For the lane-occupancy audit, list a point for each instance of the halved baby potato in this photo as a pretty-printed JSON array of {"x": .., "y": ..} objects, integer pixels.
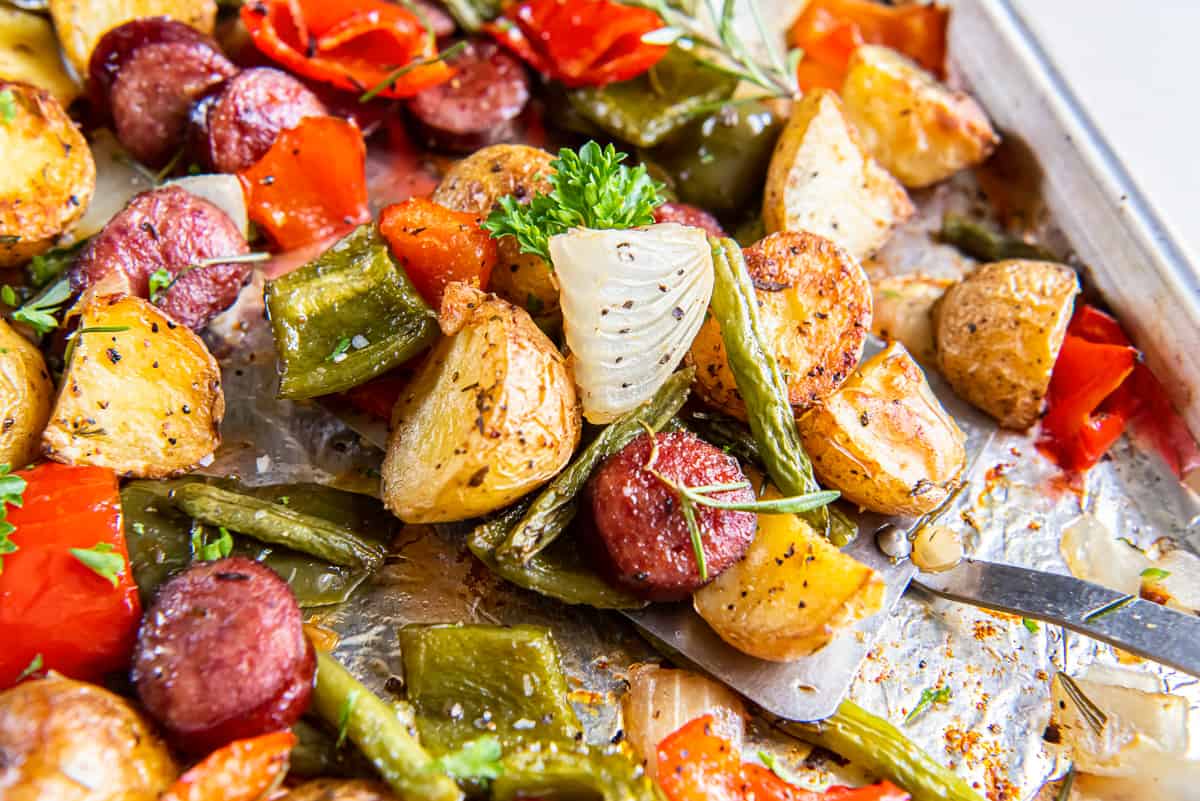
[
  {"x": 491, "y": 415},
  {"x": 81, "y": 23},
  {"x": 48, "y": 175},
  {"x": 884, "y": 440},
  {"x": 822, "y": 180},
  {"x": 29, "y": 53},
  {"x": 26, "y": 393},
  {"x": 141, "y": 394},
  {"x": 918, "y": 129},
  {"x": 791, "y": 594},
  {"x": 998, "y": 334},
  {"x": 814, "y": 304},
  {"x": 904, "y": 312}
]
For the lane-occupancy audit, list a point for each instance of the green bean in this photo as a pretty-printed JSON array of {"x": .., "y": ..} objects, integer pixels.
[
  {"x": 986, "y": 244},
  {"x": 873, "y": 743},
  {"x": 546, "y": 518},
  {"x": 557, "y": 572},
  {"x": 601, "y": 772},
  {"x": 278, "y": 525},
  {"x": 344, "y": 703}
]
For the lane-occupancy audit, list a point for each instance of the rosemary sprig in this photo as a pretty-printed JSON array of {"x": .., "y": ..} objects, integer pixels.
[
  {"x": 393, "y": 76},
  {"x": 161, "y": 279},
  {"x": 1093, "y": 715}
]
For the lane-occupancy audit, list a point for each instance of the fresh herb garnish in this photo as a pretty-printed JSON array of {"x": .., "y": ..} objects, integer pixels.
[
  {"x": 344, "y": 717},
  {"x": 33, "y": 667},
  {"x": 450, "y": 52},
  {"x": 1092, "y": 715},
  {"x": 39, "y": 312},
  {"x": 340, "y": 351},
  {"x": 50, "y": 265},
  {"x": 8, "y": 295},
  {"x": 778, "y": 768},
  {"x": 160, "y": 279},
  {"x": 8, "y": 106},
  {"x": 929, "y": 697},
  {"x": 478, "y": 759},
  {"x": 11, "y": 494},
  {"x": 1031, "y": 625},
  {"x": 99, "y": 329},
  {"x": 1109, "y": 608},
  {"x": 592, "y": 189},
  {"x": 206, "y": 551},
  {"x": 1154, "y": 574},
  {"x": 103, "y": 560}
]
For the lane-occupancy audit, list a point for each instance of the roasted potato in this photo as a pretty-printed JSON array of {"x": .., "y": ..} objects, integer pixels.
[
  {"x": 491, "y": 415},
  {"x": 340, "y": 790},
  {"x": 791, "y": 593},
  {"x": 884, "y": 440},
  {"x": 474, "y": 185},
  {"x": 48, "y": 175},
  {"x": 823, "y": 181},
  {"x": 918, "y": 129},
  {"x": 141, "y": 394},
  {"x": 70, "y": 741},
  {"x": 814, "y": 304},
  {"x": 26, "y": 393},
  {"x": 81, "y": 23},
  {"x": 998, "y": 333},
  {"x": 903, "y": 311},
  {"x": 29, "y": 53}
]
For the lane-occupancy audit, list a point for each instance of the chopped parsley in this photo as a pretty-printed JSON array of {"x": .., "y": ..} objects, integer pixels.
[
  {"x": 344, "y": 717},
  {"x": 478, "y": 759},
  {"x": 8, "y": 106},
  {"x": 160, "y": 282},
  {"x": 206, "y": 551},
  {"x": 1153, "y": 574},
  {"x": 8, "y": 295},
  {"x": 11, "y": 492},
  {"x": 33, "y": 667},
  {"x": 103, "y": 560},
  {"x": 929, "y": 697},
  {"x": 1032, "y": 625},
  {"x": 339, "y": 351}
]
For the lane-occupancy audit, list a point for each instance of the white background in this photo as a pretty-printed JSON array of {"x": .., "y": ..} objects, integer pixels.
[{"x": 1136, "y": 68}]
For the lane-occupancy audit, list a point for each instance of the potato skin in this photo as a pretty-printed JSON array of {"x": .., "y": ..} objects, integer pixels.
[
  {"x": 791, "y": 594},
  {"x": 48, "y": 177},
  {"x": 814, "y": 303},
  {"x": 29, "y": 53},
  {"x": 822, "y": 180},
  {"x": 81, "y": 23},
  {"x": 491, "y": 415},
  {"x": 904, "y": 312},
  {"x": 145, "y": 402},
  {"x": 884, "y": 440},
  {"x": 475, "y": 185},
  {"x": 919, "y": 130},
  {"x": 998, "y": 333},
  {"x": 70, "y": 741},
  {"x": 340, "y": 790},
  {"x": 26, "y": 393}
]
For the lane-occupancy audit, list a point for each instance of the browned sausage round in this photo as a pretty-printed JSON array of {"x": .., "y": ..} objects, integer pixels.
[
  {"x": 640, "y": 528},
  {"x": 222, "y": 655},
  {"x": 479, "y": 106},
  {"x": 153, "y": 93},
  {"x": 171, "y": 229},
  {"x": 687, "y": 214},
  {"x": 238, "y": 124},
  {"x": 116, "y": 46}
]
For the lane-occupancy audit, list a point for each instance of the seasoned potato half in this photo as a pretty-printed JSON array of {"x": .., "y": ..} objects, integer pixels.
[
  {"x": 823, "y": 181},
  {"x": 52, "y": 728},
  {"x": 921, "y": 131},
  {"x": 48, "y": 174},
  {"x": 81, "y": 23},
  {"x": 491, "y": 415},
  {"x": 998, "y": 332},
  {"x": 814, "y": 303},
  {"x": 29, "y": 53},
  {"x": 26, "y": 393},
  {"x": 884, "y": 440},
  {"x": 791, "y": 594},
  {"x": 474, "y": 185},
  {"x": 141, "y": 394},
  {"x": 904, "y": 312}
]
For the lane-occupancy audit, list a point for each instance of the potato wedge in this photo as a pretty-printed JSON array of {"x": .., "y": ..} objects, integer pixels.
[
  {"x": 81, "y": 23},
  {"x": 26, "y": 393},
  {"x": 814, "y": 303},
  {"x": 491, "y": 415},
  {"x": 884, "y": 440},
  {"x": 29, "y": 53},
  {"x": 998, "y": 333},
  {"x": 823, "y": 181},
  {"x": 918, "y": 129},
  {"x": 474, "y": 185},
  {"x": 791, "y": 594},
  {"x": 904, "y": 312},
  {"x": 144, "y": 399},
  {"x": 48, "y": 175}
]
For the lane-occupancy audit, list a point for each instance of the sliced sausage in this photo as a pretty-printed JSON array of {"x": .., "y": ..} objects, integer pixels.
[
  {"x": 687, "y": 214},
  {"x": 640, "y": 532},
  {"x": 479, "y": 106},
  {"x": 238, "y": 123},
  {"x": 116, "y": 46},
  {"x": 169, "y": 228},
  {"x": 154, "y": 91},
  {"x": 222, "y": 655}
]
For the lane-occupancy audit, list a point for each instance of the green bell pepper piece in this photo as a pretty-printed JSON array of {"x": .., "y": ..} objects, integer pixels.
[
  {"x": 354, "y": 294},
  {"x": 980, "y": 241},
  {"x": 468, "y": 680},
  {"x": 646, "y": 109},
  {"x": 547, "y": 770}
]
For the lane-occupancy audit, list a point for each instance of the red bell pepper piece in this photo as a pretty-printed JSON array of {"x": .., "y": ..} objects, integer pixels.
[
  {"x": 829, "y": 31},
  {"x": 378, "y": 397},
  {"x": 50, "y": 602},
  {"x": 350, "y": 44},
  {"x": 580, "y": 42},
  {"x": 244, "y": 770},
  {"x": 311, "y": 184}
]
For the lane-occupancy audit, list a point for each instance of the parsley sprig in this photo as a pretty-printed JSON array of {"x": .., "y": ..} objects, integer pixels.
[
  {"x": 206, "y": 551},
  {"x": 592, "y": 189},
  {"x": 477, "y": 760},
  {"x": 12, "y": 489},
  {"x": 929, "y": 697},
  {"x": 103, "y": 560},
  {"x": 39, "y": 313}
]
